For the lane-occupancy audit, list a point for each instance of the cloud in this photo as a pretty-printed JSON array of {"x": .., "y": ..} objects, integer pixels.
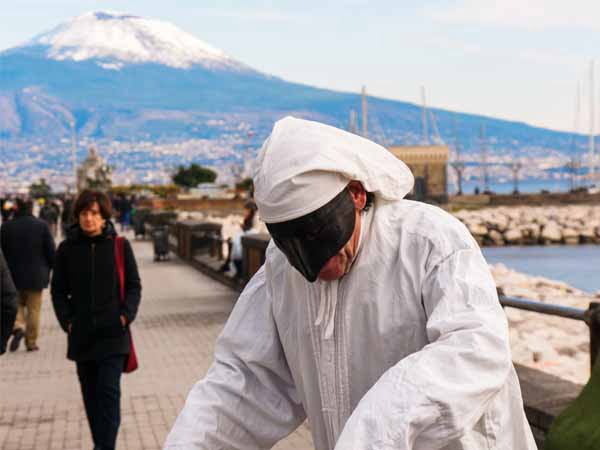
[
  {"x": 254, "y": 15},
  {"x": 523, "y": 14},
  {"x": 448, "y": 43}
]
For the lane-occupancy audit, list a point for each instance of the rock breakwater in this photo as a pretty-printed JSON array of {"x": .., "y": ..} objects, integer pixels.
[{"x": 526, "y": 225}]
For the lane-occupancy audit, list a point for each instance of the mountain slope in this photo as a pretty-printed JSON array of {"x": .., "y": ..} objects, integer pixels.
[{"x": 119, "y": 76}]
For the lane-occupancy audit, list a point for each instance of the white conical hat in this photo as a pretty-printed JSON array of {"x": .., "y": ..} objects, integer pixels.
[{"x": 304, "y": 164}]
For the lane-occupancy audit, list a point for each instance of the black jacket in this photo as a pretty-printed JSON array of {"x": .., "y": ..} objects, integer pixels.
[
  {"x": 85, "y": 294},
  {"x": 8, "y": 303},
  {"x": 28, "y": 247},
  {"x": 49, "y": 213}
]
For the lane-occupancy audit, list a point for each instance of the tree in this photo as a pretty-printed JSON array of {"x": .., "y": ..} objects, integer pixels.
[
  {"x": 246, "y": 185},
  {"x": 192, "y": 176},
  {"x": 40, "y": 189}
]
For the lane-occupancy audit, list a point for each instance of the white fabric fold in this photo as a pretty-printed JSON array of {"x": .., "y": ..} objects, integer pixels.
[{"x": 327, "y": 307}]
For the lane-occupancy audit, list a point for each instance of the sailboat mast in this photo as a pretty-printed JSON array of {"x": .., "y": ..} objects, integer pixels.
[
  {"x": 484, "y": 161},
  {"x": 365, "y": 128},
  {"x": 352, "y": 123},
  {"x": 73, "y": 154},
  {"x": 424, "y": 117},
  {"x": 592, "y": 120}
]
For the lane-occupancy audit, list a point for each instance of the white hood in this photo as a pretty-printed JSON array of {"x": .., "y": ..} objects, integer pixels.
[{"x": 304, "y": 164}]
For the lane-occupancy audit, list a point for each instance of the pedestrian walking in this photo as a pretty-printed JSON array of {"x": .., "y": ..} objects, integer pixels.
[
  {"x": 3, "y": 200},
  {"x": 8, "y": 209},
  {"x": 8, "y": 303},
  {"x": 49, "y": 213},
  {"x": 125, "y": 207},
  {"x": 235, "y": 253},
  {"x": 28, "y": 247},
  {"x": 66, "y": 216},
  {"x": 86, "y": 295}
]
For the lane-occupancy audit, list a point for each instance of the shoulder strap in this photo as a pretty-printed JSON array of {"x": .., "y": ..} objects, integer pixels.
[{"x": 120, "y": 263}]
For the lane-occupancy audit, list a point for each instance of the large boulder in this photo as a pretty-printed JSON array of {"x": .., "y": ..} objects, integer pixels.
[
  {"x": 587, "y": 235},
  {"x": 551, "y": 233},
  {"x": 513, "y": 236},
  {"x": 497, "y": 222},
  {"x": 477, "y": 229},
  {"x": 495, "y": 237},
  {"x": 463, "y": 215},
  {"x": 531, "y": 232},
  {"x": 570, "y": 236}
]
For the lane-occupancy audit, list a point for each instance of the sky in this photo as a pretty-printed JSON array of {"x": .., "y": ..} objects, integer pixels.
[{"x": 520, "y": 60}]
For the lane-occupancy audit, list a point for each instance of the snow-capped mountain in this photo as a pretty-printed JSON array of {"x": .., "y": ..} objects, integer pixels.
[
  {"x": 116, "y": 39},
  {"x": 123, "y": 77}
]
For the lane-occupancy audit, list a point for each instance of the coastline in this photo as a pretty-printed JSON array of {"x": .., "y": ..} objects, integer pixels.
[{"x": 533, "y": 225}]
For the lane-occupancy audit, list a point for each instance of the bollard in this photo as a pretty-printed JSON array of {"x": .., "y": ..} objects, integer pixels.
[{"x": 593, "y": 321}]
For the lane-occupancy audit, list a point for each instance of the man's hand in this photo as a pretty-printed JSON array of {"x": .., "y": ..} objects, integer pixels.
[
  {"x": 69, "y": 326},
  {"x": 123, "y": 321}
]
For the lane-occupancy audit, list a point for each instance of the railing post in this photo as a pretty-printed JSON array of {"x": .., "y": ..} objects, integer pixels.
[{"x": 593, "y": 321}]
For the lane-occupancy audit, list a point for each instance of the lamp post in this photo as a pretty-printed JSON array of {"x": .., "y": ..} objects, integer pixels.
[{"x": 73, "y": 155}]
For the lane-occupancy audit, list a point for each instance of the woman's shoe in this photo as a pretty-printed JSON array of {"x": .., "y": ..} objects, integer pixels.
[{"x": 18, "y": 335}]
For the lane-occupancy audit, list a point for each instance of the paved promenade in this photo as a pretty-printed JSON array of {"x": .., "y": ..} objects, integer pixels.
[{"x": 181, "y": 314}]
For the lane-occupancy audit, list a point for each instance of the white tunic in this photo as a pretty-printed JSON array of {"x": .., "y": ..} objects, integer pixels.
[{"x": 409, "y": 350}]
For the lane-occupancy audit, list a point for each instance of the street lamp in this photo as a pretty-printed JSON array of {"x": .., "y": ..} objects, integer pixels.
[{"x": 73, "y": 155}]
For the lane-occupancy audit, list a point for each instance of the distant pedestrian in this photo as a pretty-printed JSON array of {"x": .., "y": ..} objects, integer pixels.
[
  {"x": 248, "y": 226},
  {"x": 3, "y": 200},
  {"x": 86, "y": 299},
  {"x": 28, "y": 247},
  {"x": 8, "y": 209},
  {"x": 125, "y": 207},
  {"x": 8, "y": 303},
  {"x": 66, "y": 216},
  {"x": 37, "y": 206},
  {"x": 49, "y": 213}
]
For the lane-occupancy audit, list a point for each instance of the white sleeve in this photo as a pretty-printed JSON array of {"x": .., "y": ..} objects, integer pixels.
[
  {"x": 433, "y": 396},
  {"x": 247, "y": 399}
]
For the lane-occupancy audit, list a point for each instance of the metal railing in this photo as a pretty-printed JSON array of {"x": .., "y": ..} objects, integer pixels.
[{"x": 590, "y": 316}]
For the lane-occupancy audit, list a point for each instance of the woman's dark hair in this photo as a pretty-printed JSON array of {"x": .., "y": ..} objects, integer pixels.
[
  {"x": 24, "y": 206},
  {"x": 87, "y": 198}
]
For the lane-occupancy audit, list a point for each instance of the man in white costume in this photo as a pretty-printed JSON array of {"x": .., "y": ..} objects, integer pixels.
[{"x": 380, "y": 322}]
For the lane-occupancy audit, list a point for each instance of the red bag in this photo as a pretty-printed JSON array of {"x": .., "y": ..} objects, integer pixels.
[{"x": 131, "y": 363}]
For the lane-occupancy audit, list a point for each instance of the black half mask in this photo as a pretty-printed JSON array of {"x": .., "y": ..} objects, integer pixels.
[{"x": 310, "y": 241}]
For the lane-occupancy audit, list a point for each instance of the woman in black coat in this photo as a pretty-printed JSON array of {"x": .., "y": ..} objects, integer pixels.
[
  {"x": 86, "y": 298},
  {"x": 8, "y": 303}
]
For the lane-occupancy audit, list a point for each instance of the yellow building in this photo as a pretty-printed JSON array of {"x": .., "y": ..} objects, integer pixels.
[{"x": 428, "y": 164}]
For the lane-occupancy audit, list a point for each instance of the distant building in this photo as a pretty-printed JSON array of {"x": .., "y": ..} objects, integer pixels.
[
  {"x": 429, "y": 164},
  {"x": 93, "y": 173},
  {"x": 209, "y": 190}
]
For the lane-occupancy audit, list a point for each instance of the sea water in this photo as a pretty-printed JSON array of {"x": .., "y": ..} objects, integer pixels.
[{"x": 577, "y": 265}]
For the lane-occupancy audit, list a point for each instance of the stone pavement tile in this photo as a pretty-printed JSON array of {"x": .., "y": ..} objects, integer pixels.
[{"x": 181, "y": 314}]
